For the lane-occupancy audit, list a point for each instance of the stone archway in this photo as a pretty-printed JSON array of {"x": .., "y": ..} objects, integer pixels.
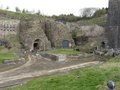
[
  {"x": 65, "y": 44},
  {"x": 37, "y": 44}
]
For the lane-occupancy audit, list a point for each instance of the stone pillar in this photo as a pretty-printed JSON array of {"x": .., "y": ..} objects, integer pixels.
[{"x": 113, "y": 27}]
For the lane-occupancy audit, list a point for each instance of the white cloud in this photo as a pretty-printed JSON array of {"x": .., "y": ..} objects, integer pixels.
[{"x": 50, "y": 7}]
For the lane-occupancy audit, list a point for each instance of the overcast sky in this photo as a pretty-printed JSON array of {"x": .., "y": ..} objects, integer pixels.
[{"x": 54, "y": 7}]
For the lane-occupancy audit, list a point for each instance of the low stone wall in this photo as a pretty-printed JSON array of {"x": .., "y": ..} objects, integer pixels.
[
  {"x": 60, "y": 57},
  {"x": 50, "y": 56},
  {"x": 12, "y": 62},
  {"x": 82, "y": 58},
  {"x": 54, "y": 57}
]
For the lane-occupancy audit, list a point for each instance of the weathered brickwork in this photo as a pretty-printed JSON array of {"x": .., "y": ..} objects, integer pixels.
[{"x": 8, "y": 27}]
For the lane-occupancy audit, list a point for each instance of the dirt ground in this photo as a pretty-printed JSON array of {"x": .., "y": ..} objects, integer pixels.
[{"x": 37, "y": 66}]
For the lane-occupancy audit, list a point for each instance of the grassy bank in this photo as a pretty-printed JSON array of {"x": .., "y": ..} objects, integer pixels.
[
  {"x": 10, "y": 54},
  {"x": 6, "y": 54},
  {"x": 98, "y": 20},
  {"x": 92, "y": 78}
]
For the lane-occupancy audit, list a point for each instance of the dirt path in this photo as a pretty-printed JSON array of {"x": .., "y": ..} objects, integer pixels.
[
  {"x": 28, "y": 70},
  {"x": 28, "y": 63}
]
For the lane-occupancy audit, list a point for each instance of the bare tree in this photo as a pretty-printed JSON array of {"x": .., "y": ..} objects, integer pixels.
[
  {"x": 87, "y": 12},
  {"x": 17, "y": 9},
  {"x": 23, "y": 11},
  {"x": 7, "y": 7},
  {"x": 38, "y": 13}
]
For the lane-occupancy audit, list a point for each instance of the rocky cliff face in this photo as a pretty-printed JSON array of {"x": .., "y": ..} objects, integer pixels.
[
  {"x": 113, "y": 29},
  {"x": 92, "y": 34}
]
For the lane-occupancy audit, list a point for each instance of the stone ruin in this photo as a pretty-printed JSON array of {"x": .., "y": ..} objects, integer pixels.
[
  {"x": 38, "y": 35},
  {"x": 44, "y": 34},
  {"x": 113, "y": 25},
  {"x": 59, "y": 34},
  {"x": 112, "y": 31}
]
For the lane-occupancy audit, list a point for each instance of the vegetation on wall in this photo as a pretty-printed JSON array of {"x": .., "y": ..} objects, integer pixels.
[{"x": 7, "y": 54}]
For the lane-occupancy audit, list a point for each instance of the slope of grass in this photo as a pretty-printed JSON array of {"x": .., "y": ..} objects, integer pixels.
[
  {"x": 17, "y": 15},
  {"x": 92, "y": 78},
  {"x": 99, "y": 21},
  {"x": 10, "y": 54},
  {"x": 6, "y": 54}
]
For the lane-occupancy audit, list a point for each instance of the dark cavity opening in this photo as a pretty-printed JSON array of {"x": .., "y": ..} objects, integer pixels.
[
  {"x": 36, "y": 44},
  {"x": 103, "y": 44}
]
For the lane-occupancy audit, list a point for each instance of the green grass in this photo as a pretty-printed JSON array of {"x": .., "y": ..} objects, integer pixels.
[
  {"x": 64, "y": 51},
  {"x": 6, "y": 54},
  {"x": 99, "y": 21},
  {"x": 92, "y": 78},
  {"x": 16, "y": 15},
  {"x": 10, "y": 54}
]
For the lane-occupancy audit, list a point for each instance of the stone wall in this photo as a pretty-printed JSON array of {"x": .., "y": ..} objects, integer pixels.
[{"x": 8, "y": 27}]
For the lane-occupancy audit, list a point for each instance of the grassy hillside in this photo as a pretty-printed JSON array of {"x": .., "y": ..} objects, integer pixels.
[
  {"x": 92, "y": 78},
  {"x": 10, "y": 54},
  {"x": 5, "y": 14},
  {"x": 6, "y": 54},
  {"x": 97, "y": 20}
]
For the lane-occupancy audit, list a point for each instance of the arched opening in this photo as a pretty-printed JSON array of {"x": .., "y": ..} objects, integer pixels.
[
  {"x": 103, "y": 44},
  {"x": 36, "y": 45},
  {"x": 65, "y": 44}
]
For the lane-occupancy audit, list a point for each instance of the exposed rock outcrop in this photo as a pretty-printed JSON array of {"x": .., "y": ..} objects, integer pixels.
[{"x": 92, "y": 34}]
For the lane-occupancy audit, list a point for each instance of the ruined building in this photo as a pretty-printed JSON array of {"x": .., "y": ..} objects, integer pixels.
[
  {"x": 39, "y": 34},
  {"x": 44, "y": 35},
  {"x": 36, "y": 34},
  {"x": 113, "y": 28}
]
